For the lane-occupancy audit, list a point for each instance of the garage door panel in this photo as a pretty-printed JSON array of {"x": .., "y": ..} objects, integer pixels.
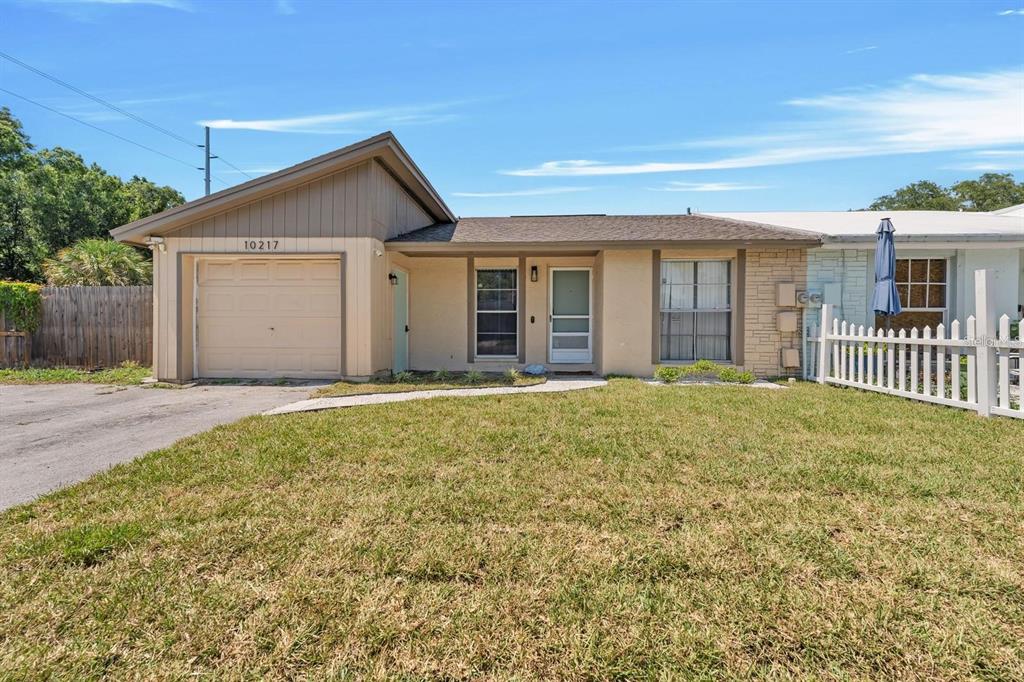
[
  {"x": 218, "y": 303},
  {"x": 217, "y": 271},
  {"x": 293, "y": 302},
  {"x": 324, "y": 362},
  {"x": 254, "y": 301},
  {"x": 322, "y": 271},
  {"x": 291, "y": 271},
  {"x": 269, "y": 318},
  {"x": 254, "y": 270}
]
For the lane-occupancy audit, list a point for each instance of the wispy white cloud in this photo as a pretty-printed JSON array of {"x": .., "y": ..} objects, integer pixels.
[
  {"x": 344, "y": 122},
  {"x": 180, "y": 5},
  {"x": 96, "y": 113},
  {"x": 991, "y": 167},
  {"x": 1019, "y": 153},
  {"x": 1011, "y": 12},
  {"x": 679, "y": 186},
  {"x": 540, "y": 191},
  {"x": 990, "y": 160},
  {"x": 284, "y": 7},
  {"x": 925, "y": 113},
  {"x": 866, "y": 48}
]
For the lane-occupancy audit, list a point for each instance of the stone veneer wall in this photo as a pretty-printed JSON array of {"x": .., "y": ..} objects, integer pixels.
[
  {"x": 762, "y": 340},
  {"x": 850, "y": 269}
]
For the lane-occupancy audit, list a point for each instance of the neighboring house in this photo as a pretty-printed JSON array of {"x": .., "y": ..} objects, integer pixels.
[
  {"x": 350, "y": 264},
  {"x": 937, "y": 253}
]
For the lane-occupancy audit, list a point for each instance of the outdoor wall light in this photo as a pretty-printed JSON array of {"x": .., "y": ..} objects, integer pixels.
[
  {"x": 393, "y": 279},
  {"x": 533, "y": 273}
]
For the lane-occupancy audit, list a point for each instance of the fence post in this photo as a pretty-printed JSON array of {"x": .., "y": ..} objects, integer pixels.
[
  {"x": 985, "y": 319},
  {"x": 823, "y": 342}
]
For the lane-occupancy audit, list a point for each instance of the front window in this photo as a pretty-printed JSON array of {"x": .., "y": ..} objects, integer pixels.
[
  {"x": 497, "y": 313},
  {"x": 921, "y": 283},
  {"x": 696, "y": 310}
]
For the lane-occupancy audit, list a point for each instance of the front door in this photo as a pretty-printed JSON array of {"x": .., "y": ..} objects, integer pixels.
[
  {"x": 400, "y": 334},
  {"x": 571, "y": 324}
]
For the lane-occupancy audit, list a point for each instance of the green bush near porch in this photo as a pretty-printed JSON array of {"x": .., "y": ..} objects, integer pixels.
[{"x": 705, "y": 369}]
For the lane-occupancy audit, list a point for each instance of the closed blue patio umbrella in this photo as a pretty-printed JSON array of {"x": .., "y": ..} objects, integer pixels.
[{"x": 886, "y": 299}]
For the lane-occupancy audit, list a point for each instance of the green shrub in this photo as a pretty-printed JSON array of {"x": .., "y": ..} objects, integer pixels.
[
  {"x": 473, "y": 377},
  {"x": 442, "y": 376},
  {"x": 403, "y": 378},
  {"x": 702, "y": 368},
  {"x": 668, "y": 373},
  {"x": 734, "y": 376},
  {"x": 22, "y": 305},
  {"x": 513, "y": 375}
]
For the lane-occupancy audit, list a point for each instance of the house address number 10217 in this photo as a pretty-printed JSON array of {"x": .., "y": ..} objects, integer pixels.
[{"x": 261, "y": 244}]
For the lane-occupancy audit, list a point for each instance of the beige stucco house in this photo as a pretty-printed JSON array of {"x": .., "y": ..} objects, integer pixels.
[{"x": 350, "y": 264}]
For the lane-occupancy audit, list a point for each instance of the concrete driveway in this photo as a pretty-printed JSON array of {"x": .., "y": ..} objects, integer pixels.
[{"x": 56, "y": 434}]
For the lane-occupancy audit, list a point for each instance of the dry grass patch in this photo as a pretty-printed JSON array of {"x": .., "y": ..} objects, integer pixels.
[{"x": 621, "y": 532}]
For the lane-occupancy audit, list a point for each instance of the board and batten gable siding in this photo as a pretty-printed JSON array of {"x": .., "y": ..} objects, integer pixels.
[
  {"x": 363, "y": 201},
  {"x": 395, "y": 211},
  {"x": 334, "y": 206}
]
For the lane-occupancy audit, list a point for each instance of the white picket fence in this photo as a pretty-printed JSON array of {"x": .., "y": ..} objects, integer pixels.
[{"x": 928, "y": 367}]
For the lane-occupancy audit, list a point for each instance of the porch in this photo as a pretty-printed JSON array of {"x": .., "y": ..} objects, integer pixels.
[{"x": 607, "y": 311}]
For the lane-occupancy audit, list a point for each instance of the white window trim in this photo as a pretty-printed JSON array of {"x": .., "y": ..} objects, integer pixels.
[
  {"x": 945, "y": 309},
  {"x": 477, "y": 311}
]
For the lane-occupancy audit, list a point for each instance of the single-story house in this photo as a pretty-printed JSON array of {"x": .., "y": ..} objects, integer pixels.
[
  {"x": 937, "y": 253},
  {"x": 350, "y": 265}
]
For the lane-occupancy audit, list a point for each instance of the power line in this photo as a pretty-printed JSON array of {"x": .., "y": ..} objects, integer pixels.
[
  {"x": 96, "y": 99},
  {"x": 234, "y": 166},
  {"x": 114, "y": 107},
  {"x": 102, "y": 130}
]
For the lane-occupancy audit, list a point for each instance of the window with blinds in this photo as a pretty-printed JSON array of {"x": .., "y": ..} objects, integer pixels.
[{"x": 696, "y": 310}]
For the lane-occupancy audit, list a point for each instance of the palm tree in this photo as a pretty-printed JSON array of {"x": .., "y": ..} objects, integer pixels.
[{"x": 98, "y": 262}]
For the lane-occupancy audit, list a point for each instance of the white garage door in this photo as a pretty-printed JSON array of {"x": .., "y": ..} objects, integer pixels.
[{"x": 268, "y": 317}]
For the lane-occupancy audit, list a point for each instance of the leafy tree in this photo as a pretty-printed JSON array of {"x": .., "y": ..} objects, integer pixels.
[
  {"x": 990, "y": 192},
  {"x": 51, "y": 199},
  {"x": 98, "y": 262},
  {"x": 917, "y": 196}
]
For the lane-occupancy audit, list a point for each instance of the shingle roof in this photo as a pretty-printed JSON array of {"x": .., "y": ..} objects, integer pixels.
[{"x": 584, "y": 229}]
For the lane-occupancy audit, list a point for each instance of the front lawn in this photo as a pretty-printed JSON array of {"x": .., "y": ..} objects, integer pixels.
[
  {"x": 621, "y": 532},
  {"x": 427, "y": 381},
  {"x": 128, "y": 374}
]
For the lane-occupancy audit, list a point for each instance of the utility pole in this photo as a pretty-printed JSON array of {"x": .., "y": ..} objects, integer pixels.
[{"x": 207, "y": 148}]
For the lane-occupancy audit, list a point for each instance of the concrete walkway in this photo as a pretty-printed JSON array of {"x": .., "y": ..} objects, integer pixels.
[{"x": 550, "y": 386}]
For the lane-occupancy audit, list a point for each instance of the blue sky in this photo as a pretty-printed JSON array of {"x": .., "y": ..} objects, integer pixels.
[{"x": 543, "y": 107}]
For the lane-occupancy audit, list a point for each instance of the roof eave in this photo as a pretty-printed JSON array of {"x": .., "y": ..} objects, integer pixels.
[
  {"x": 541, "y": 246},
  {"x": 961, "y": 237}
]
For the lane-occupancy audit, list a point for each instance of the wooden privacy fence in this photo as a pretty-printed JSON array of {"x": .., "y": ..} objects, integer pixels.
[
  {"x": 88, "y": 327},
  {"x": 977, "y": 371}
]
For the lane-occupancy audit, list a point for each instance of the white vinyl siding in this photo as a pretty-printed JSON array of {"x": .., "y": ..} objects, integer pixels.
[{"x": 696, "y": 310}]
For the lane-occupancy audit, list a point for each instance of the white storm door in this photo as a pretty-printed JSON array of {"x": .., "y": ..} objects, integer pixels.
[{"x": 571, "y": 331}]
